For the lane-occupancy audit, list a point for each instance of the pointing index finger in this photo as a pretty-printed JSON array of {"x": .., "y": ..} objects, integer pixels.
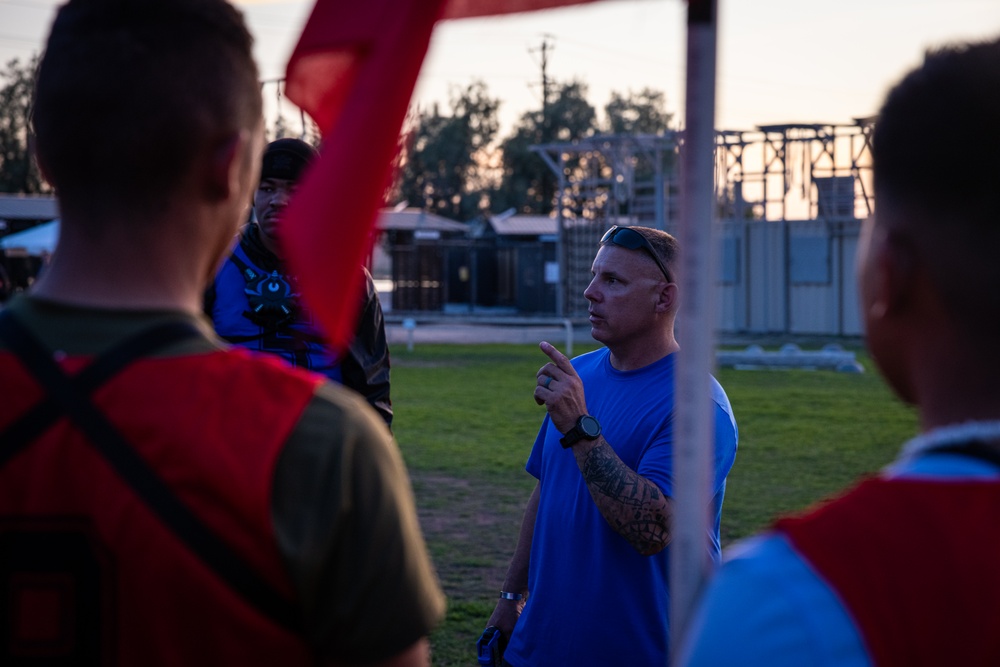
[{"x": 558, "y": 358}]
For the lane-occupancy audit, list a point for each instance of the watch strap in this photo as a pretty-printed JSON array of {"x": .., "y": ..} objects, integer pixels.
[{"x": 577, "y": 433}]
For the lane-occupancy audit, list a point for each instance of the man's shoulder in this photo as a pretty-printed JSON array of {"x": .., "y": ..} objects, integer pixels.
[
  {"x": 90, "y": 331},
  {"x": 589, "y": 361},
  {"x": 766, "y": 605},
  {"x": 337, "y": 416},
  {"x": 332, "y": 398}
]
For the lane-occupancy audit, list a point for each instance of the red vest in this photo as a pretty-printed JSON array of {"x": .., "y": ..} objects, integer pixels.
[
  {"x": 916, "y": 563},
  {"x": 92, "y": 573}
]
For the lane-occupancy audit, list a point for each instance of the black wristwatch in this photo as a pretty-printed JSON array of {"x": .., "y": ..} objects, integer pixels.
[{"x": 586, "y": 428}]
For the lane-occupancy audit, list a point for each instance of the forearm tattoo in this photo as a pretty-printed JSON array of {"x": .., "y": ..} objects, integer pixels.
[{"x": 631, "y": 504}]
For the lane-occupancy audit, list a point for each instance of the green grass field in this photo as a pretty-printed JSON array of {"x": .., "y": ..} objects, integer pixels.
[{"x": 465, "y": 421}]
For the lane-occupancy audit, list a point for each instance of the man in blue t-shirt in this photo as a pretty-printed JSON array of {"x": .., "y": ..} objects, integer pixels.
[{"x": 588, "y": 582}]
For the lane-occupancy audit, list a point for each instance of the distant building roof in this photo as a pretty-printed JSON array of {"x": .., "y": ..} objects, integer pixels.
[
  {"x": 413, "y": 219},
  {"x": 524, "y": 225},
  {"x": 28, "y": 207}
]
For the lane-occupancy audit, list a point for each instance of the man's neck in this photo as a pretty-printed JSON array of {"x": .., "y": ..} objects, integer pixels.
[
  {"x": 955, "y": 379},
  {"x": 116, "y": 287},
  {"x": 129, "y": 267},
  {"x": 633, "y": 357},
  {"x": 261, "y": 250}
]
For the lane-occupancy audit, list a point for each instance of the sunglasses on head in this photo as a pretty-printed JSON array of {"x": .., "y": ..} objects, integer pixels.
[{"x": 627, "y": 237}]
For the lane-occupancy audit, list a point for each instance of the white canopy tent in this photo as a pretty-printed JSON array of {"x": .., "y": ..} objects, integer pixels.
[{"x": 38, "y": 240}]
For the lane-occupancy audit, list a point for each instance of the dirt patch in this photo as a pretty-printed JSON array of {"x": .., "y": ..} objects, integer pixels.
[{"x": 471, "y": 529}]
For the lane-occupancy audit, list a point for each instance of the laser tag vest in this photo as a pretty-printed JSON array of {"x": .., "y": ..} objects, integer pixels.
[
  {"x": 272, "y": 303},
  {"x": 260, "y": 310},
  {"x": 915, "y": 562},
  {"x": 131, "y": 531}
]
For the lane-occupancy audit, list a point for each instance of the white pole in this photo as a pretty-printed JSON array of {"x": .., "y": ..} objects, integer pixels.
[{"x": 693, "y": 424}]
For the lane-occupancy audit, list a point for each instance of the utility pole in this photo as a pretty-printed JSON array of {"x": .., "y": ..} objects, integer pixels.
[
  {"x": 544, "y": 49},
  {"x": 542, "y": 135}
]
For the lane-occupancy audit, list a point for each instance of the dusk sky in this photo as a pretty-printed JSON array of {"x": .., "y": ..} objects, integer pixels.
[{"x": 779, "y": 60}]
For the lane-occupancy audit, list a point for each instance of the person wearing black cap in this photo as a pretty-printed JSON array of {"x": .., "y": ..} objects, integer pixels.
[{"x": 253, "y": 301}]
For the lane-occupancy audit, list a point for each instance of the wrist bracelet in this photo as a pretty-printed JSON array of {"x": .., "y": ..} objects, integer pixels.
[{"x": 504, "y": 595}]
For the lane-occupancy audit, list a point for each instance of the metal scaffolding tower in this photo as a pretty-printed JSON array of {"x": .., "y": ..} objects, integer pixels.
[
  {"x": 602, "y": 181},
  {"x": 794, "y": 171}
]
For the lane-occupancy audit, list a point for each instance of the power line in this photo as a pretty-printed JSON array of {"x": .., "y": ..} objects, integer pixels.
[{"x": 20, "y": 40}]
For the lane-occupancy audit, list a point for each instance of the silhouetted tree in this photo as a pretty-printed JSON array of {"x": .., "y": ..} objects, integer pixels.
[
  {"x": 644, "y": 112},
  {"x": 18, "y": 172},
  {"x": 443, "y": 167},
  {"x": 528, "y": 185}
]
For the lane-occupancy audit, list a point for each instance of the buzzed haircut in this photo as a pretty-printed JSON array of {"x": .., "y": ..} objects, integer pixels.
[
  {"x": 665, "y": 245},
  {"x": 128, "y": 92},
  {"x": 935, "y": 151},
  {"x": 937, "y": 137}
]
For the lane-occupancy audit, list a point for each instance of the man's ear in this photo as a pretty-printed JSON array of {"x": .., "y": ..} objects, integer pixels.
[
  {"x": 41, "y": 167},
  {"x": 667, "y": 298},
  {"x": 230, "y": 167},
  {"x": 895, "y": 267}
]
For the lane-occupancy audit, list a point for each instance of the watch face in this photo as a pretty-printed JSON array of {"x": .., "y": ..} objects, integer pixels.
[{"x": 590, "y": 427}]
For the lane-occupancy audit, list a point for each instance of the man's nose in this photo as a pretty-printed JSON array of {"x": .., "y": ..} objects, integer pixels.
[{"x": 281, "y": 195}]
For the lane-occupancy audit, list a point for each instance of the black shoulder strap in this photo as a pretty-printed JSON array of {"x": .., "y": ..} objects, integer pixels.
[
  {"x": 31, "y": 424},
  {"x": 247, "y": 271},
  {"x": 974, "y": 450},
  {"x": 70, "y": 396}
]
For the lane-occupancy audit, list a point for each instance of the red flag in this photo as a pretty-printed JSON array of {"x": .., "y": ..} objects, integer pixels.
[
  {"x": 461, "y": 9},
  {"x": 353, "y": 71}
]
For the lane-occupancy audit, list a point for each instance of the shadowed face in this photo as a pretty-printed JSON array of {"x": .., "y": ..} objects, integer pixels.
[{"x": 269, "y": 204}]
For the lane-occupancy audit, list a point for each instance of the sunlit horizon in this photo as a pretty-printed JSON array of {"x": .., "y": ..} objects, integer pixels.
[{"x": 780, "y": 61}]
